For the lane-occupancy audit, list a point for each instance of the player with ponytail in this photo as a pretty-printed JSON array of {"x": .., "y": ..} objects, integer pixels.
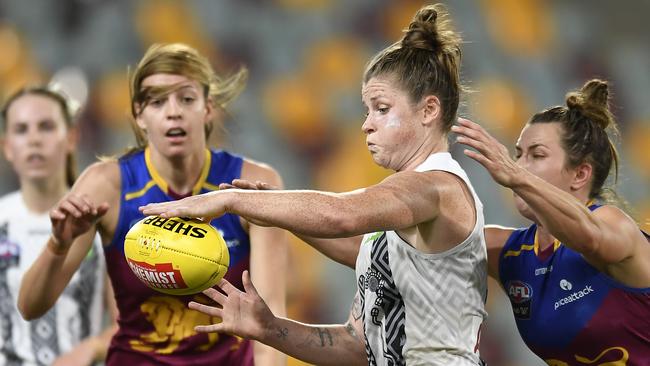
[
  {"x": 579, "y": 278},
  {"x": 421, "y": 270}
]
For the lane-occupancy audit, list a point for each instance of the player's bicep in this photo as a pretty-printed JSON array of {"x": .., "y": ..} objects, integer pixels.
[
  {"x": 495, "y": 240},
  {"x": 401, "y": 200},
  {"x": 616, "y": 238},
  {"x": 99, "y": 182}
]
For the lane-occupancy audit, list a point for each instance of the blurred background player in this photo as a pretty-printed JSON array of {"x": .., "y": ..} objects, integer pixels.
[
  {"x": 421, "y": 271},
  {"x": 39, "y": 140},
  {"x": 175, "y": 98},
  {"x": 579, "y": 278}
]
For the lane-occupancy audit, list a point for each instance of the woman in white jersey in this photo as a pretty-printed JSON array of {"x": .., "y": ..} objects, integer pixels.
[
  {"x": 39, "y": 141},
  {"x": 421, "y": 269}
]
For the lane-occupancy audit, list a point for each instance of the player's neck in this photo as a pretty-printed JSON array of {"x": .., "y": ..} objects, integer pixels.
[
  {"x": 41, "y": 195},
  {"x": 437, "y": 145},
  {"x": 544, "y": 238},
  {"x": 181, "y": 173}
]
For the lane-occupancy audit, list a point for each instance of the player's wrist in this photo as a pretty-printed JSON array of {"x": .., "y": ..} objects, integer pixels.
[
  {"x": 56, "y": 247},
  {"x": 270, "y": 331}
]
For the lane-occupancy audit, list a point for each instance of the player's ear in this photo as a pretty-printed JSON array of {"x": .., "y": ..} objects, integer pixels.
[
  {"x": 582, "y": 176},
  {"x": 73, "y": 139},
  {"x": 431, "y": 109},
  {"x": 5, "y": 149},
  {"x": 210, "y": 109},
  {"x": 137, "y": 107}
]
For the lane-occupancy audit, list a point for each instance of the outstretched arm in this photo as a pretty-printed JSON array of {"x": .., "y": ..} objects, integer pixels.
[
  {"x": 402, "y": 200},
  {"x": 245, "y": 314},
  {"x": 74, "y": 221},
  {"x": 341, "y": 250},
  {"x": 605, "y": 237}
]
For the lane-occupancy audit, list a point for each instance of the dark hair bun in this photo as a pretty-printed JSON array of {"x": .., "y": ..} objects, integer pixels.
[
  {"x": 592, "y": 100},
  {"x": 431, "y": 30}
]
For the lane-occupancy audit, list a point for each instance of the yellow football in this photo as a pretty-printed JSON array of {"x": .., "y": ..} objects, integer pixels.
[{"x": 176, "y": 256}]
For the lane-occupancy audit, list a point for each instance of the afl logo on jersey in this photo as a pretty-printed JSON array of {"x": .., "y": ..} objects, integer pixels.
[
  {"x": 520, "y": 294},
  {"x": 519, "y": 291}
]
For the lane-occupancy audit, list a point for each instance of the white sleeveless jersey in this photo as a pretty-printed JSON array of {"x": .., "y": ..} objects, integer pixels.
[
  {"x": 76, "y": 315},
  {"x": 424, "y": 309}
]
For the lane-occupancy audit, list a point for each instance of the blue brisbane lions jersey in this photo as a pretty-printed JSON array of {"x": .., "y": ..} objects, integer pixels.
[
  {"x": 154, "y": 328},
  {"x": 567, "y": 311}
]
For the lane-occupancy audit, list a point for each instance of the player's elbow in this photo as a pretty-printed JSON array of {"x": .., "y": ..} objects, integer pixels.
[
  {"x": 342, "y": 224},
  {"x": 27, "y": 310}
]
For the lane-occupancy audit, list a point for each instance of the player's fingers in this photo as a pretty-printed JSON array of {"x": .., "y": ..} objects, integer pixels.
[
  {"x": 56, "y": 214},
  {"x": 214, "y": 328},
  {"x": 92, "y": 209},
  {"x": 466, "y": 132},
  {"x": 227, "y": 287},
  {"x": 468, "y": 141},
  {"x": 468, "y": 123},
  {"x": 155, "y": 207},
  {"x": 265, "y": 186},
  {"x": 215, "y": 295},
  {"x": 248, "y": 284},
  {"x": 79, "y": 202},
  {"x": 223, "y": 186},
  {"x": 243, "y": 184},
  {"x": 102, "y": 209},
  {"x": 480, "y": 158},
  {"x": 67, "y": 207},
  {"x": 205, "y": 309}
]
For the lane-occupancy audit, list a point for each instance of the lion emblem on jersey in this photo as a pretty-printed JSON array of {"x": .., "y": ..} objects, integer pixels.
[{"x": 173, "y": 322}]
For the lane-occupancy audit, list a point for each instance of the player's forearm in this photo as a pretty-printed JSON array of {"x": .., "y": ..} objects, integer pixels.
[
  {"x": 341, "y": 250},
  {"x": 42, "y": 284},
  {"x": 313, "y": 213},
  {"x": 316, "y": 344},
  {"x": 564, "y": 216}
]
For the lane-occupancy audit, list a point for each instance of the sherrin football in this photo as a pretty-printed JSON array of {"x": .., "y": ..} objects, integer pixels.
[{"x": 176, "y": 256}]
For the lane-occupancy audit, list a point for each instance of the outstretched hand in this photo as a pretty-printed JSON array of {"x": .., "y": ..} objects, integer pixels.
[
  {"x": 244, "y": 314},
  {"x": 73, "y": 216},
  {"x": 489, "y": 152},
  {"x": 205, "y": 206}
]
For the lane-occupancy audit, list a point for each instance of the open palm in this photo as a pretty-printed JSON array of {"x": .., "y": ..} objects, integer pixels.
[
  {"x": 244, "y": 314},
  {"x": 489, "y": 152}
]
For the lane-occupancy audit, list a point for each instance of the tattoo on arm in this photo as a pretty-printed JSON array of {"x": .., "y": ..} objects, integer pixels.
[
  {"x": 350, "y": 329},
  {"x": 325, "y": 337},
  {"x": 318, "y": 337},
  {"x": 282, "y": 333}
]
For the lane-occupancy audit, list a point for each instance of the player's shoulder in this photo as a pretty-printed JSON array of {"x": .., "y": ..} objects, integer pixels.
[
  {"x": 102, "y": 173},
  {"x": 496, "y": 236},
  {"x": 254, "y": 170},
  {"x": 10, "y": 198},
  {"x": 12, "y": 203}
]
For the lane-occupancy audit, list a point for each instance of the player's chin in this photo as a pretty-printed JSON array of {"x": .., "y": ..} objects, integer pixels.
[
  {"x": 173, "y": 151},
  {"x": 523, "y": 208}
]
